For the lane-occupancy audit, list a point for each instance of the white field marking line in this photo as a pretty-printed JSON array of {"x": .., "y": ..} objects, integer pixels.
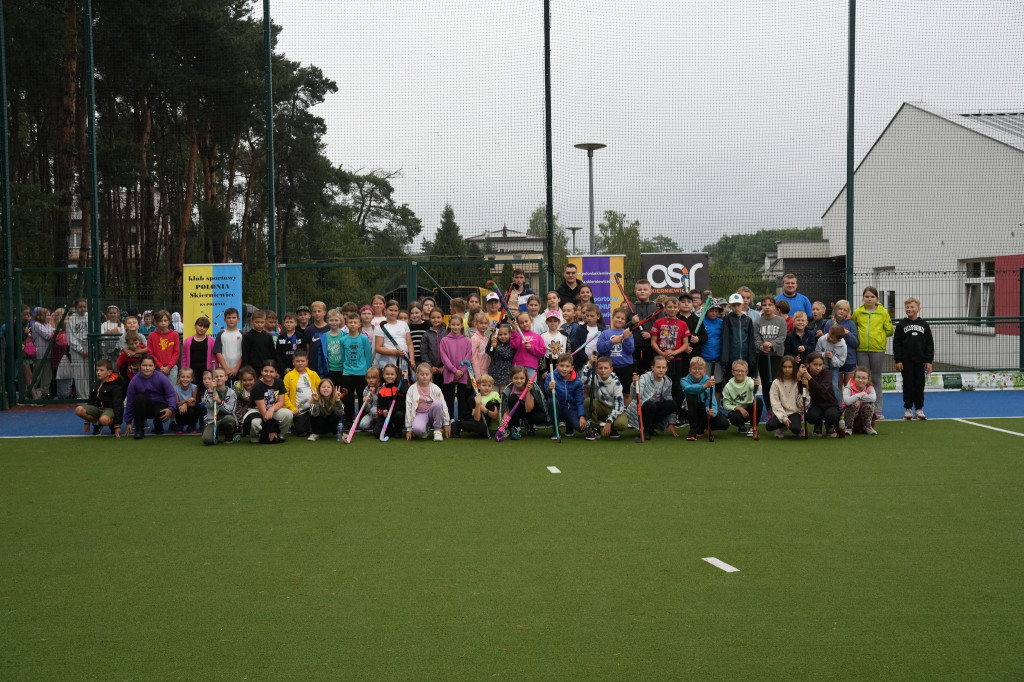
[
  {"x": 721, "y": 564},
  {"x": 994, "y": 428},
  {"x": 554, "y": 470}
]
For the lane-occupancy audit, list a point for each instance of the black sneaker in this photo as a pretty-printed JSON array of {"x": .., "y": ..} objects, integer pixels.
[
  {"x": 591, "y": 434},
  {"x": 614, "y": 434},
  {"x": 97, "y": 429},
  {"x": 456, "y": 429},
  {"x": 158, "y": 429}
]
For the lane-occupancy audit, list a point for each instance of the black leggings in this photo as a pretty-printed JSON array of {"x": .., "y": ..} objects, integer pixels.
[
  {"x": 535, "y": 418},
  {"x": 190, "y": 418},
  {"x": 144, "y": 409},
  {"x": 768, "y": 375},
  {"x": 355, "y": 383},
  {"x": 796, "y": 421},
  {"x": 697, "y": 412},
  {"x": 656, "y": 412},
  {"x": 829, "y": 415},
  {"x": 453, "y": 391}
]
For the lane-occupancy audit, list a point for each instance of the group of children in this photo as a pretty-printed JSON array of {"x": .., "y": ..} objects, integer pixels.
[{"x": 503, "y": 371}]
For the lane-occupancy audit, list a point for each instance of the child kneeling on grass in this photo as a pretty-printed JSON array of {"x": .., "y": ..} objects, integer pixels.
[
  {"x": 787, "y": 403},
  {"x": 106, "y": 401},
  {"x": 391, "y": 392},
  {"x": 738, "y": 398},
  {"x": 654, "y": 391},
  {"x": 326, "y": 411},
  {"x": 603, "y": 405},
  {"x": 859, "y": 402},
  {"x": 824, "y": 408},
  {"x": 701, "y": 403},
  {"x": 531, "y": 410},
  {"x": 220, "y": 401},
  {"x": 274, "y": 418},
  {"x": 567, "y": 402},
  {"x": 300, "y": 385},
  {"x": 186, "y": 416},
  {"x": 425, "y": 407},
  {"x": 490, "y": 400},
  {"x": 150, "y": 396}
]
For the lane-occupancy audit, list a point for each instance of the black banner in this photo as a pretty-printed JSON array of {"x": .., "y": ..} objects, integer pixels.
[{"x": 674, "y": 273}]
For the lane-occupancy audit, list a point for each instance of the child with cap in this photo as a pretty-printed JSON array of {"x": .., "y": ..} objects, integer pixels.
[
  {"x": 738, "y": 335},
  {"x": 555, "y": 342},
  {"x": 493, "y": 309}
]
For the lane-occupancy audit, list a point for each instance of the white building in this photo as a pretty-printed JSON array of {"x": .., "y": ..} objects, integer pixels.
[{"x": 939, "y": 214}]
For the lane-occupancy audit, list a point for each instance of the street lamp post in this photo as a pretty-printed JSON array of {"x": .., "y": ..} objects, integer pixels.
[
  {"x": 574, "y": 230},
  {"x": 591, "y": 147}
]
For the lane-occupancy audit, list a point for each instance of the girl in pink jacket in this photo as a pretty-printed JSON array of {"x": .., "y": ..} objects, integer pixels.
[{"x": 456, "y": 348}]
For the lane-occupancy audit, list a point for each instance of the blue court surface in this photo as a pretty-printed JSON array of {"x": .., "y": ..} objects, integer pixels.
[{"x": 59, "y": 420}]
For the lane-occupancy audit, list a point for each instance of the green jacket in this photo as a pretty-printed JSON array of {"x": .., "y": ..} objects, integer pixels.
[{"x": 873, "y": 328}]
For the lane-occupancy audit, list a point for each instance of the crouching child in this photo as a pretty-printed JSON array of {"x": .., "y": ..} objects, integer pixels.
[
  {"x": 106, "y": 401},
  {"x": 220, "y": 402},
  {"x": 859, "y": 403},
  {"x": 567, "y": 400}
]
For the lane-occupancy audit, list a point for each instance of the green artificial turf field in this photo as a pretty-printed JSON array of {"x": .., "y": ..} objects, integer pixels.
[{"x": 896, "y": 557}]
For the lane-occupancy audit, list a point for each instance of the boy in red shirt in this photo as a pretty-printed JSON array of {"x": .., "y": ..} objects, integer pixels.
[
  {"x": 164, "y": 346},
  {"x": 670, "y": 338}
]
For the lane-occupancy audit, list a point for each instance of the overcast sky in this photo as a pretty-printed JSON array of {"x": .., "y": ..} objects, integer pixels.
[{"x": 719, "y": 117}]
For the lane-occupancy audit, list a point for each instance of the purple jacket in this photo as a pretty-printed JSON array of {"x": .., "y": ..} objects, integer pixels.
[
  {"x": 454, "y": 349},
  {"x": 157, "y": 388}
]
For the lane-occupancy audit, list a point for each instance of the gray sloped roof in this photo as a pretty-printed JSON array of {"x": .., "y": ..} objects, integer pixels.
[
  {"x": 1002, "y": 126},
  {"x": 1005, "y": 127}
]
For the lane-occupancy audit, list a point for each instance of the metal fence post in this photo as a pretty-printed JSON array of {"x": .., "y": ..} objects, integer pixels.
[
  {"x": 411, "y": 289},
  {"x": 1020, "y": 320}
]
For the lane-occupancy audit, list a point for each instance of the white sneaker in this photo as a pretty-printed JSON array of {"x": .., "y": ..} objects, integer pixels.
[
  {"x": 908, "y": 414},
  {"x": 313, "y": 436},
  {"x": 438, "y": 435},
  {"x": 920, "y": 415},
  {"x": 871, "y": 431},
  {"x": 879, "y": 417}
]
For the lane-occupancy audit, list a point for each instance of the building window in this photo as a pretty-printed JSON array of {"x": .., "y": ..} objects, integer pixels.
[
  {"x": 979, "y": 290},
  {"x": 75, "y": 241}
]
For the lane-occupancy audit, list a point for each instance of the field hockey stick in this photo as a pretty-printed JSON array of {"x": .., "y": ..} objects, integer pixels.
[
  {"x": 215, "y": 403},
  {"x": 585, "y": 344},
  {"x": 554, "y": 410},
  {"x": 753, "y": 418},
  {"x": 593, "y": 394},
  {"x": 508, "y": 295},
  {"x": 618, "y": 282},
  {"x": 472, "y": 378},
  {"x": 408, "y": 365},
  {"x": 500, "y": 434},
  {"x": 387, "y": 422},
  {"x": 766, "y": 392},
  {"x": 711, "y": 398},
  {"x": 803, "y": 393},
  {"x": 703, "y": 313},
  {"x": 639, "y": 411},
  {"x": 355, "y": 424},
  {"x": 490, "y": 283},
  {"x": 641, "y": 323}
]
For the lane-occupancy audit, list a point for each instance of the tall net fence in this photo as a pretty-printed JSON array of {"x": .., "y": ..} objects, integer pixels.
[{"x": 417, "y": 129}]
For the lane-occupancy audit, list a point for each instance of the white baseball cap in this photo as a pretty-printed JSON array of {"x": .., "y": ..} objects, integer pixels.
[
  {"x": 492, "y": 297},
  {"x": 735, "y": 298}
]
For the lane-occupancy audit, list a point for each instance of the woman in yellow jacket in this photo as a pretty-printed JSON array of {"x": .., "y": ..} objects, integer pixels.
[{"x": 874, "y": 326}]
